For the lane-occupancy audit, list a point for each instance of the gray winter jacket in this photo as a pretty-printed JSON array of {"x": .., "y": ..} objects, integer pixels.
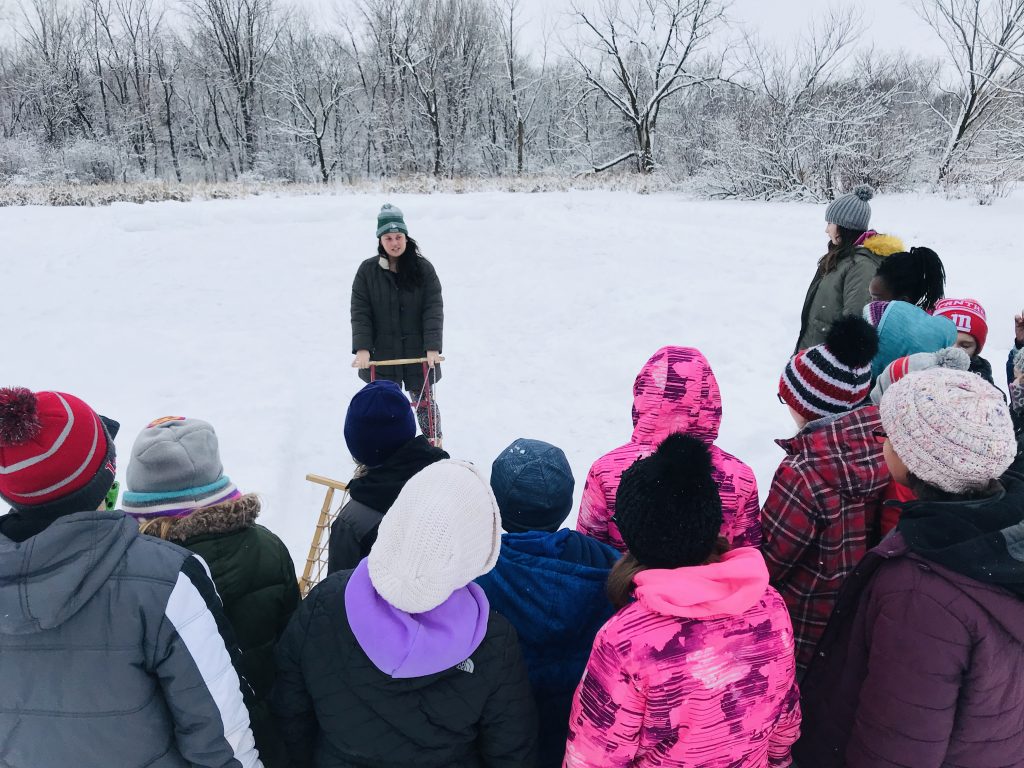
[{"x": 114, "y": 650}]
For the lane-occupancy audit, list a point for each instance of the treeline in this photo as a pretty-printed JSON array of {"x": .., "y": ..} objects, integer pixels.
[{"x": 98, "y": 91}]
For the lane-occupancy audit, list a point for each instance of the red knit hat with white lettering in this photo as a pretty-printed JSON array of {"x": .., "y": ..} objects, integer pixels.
[
  {"x": 53, "y": 447},
  {"x": 969, "y": 316},
  {"x": 833, "y": 377}
]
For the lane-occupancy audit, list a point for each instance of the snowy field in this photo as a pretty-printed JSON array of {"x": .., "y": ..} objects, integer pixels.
[{"x": 237, "y": 312}]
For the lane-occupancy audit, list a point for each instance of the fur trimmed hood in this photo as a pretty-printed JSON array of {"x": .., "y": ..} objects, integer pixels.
[
  {"x": 882, "y": 245},
  {"x": 229, "y": 517}
]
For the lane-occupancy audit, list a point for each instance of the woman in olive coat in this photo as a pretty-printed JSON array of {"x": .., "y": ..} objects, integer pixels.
[
  {"x": 397, "y": 312},
  {"x": 840, "y": 285}
]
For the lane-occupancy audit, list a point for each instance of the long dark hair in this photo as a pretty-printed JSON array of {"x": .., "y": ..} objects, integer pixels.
[
  {"x": 410, "y": 272},
  {"x": 915, "y": 276},
  {"x": 836, "y": 251},
  {"x": 620, "y": 581}
]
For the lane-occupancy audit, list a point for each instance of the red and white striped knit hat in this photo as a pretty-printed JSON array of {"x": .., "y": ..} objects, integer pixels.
[
  {"x": 52, "y": 446},
  {"x": 833, "y": 377}
]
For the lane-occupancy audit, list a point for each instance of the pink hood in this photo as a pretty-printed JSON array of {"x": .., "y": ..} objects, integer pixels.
[
  {"x": 728, "y": 588},
  {"x": 676, "y": 391}
]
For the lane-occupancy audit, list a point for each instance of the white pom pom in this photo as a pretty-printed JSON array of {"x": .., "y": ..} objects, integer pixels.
[
  {"x": 953, "y": 357},
  {"x": 864, "y": 192}
]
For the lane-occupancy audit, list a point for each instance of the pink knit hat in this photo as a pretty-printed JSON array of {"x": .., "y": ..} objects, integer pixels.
[{"x": 951, "y": 428}]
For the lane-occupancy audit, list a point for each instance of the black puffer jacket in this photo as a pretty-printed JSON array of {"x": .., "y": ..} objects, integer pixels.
[
  {"x": 355, "y": 529},
  {"x": 393, "y": 323},
  {"x": 335, "y": 709}
]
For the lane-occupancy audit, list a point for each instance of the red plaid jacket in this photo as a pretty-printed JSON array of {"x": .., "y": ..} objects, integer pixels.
[{"x": 822, "y": 516}]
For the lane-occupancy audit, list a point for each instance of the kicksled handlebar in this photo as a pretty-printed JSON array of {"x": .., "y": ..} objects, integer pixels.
[{"x": 403, "y": 361}]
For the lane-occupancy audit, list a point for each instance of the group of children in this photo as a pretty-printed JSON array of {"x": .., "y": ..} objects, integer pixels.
[{"x": 868, "y": 613}]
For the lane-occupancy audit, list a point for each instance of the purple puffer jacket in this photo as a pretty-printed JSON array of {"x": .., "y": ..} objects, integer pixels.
[
  {"x": 675, "y": 391},
  {"x": 920, "y": 666}
]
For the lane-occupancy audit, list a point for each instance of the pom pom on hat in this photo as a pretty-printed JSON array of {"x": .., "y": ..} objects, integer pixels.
[
  {"x": 950, "y": 357},
  {"x": 391, "y": 219},
  {"x": 851, "y": 211},
  {"x": 853, "y": 341},
  {"x": 667, "y": 506},
  {"x": 19, "y": 416},
  {"x": 864, "y": 192},
  {"x": 56, "y": 453},
  {"x": 833, "y": 377}
]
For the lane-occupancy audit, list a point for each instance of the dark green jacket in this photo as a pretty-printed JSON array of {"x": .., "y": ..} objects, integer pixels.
[
  {"x": 844, "y": 290},
  {"x": 255, "y": 578},
  {"x": 394, "y": 323}
]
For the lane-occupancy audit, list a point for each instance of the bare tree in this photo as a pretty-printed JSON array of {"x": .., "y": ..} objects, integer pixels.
[
  {"x": 524, "y": 87},
  {"x": 310, "y": 77},
  {"x": 638, "y": 58},
  {"x": 243, "y": 33},
  {"x": 985, "y": 41}
]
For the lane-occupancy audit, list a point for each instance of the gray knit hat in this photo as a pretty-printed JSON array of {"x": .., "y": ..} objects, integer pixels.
[
  {"x": 174, "y": 469},
  {"x": 950, "y": 357},
  {"x": 851, "y": 211},
  {"x": 390, "y": 220}
]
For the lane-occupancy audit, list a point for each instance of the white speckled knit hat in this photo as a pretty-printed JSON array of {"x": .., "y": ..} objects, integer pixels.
[
  {"x": 443, "y": 531},
  {"x": 951, "y": 428}
]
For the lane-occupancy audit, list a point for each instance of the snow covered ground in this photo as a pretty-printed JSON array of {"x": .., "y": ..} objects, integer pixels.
[{"x": 237, "y": 312}]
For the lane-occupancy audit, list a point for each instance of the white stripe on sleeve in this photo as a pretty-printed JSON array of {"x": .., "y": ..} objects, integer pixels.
[{"x": 197, "y": 628}]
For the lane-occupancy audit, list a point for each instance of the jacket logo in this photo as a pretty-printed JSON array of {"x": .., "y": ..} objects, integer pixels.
[{"x": 466, "y": 666}]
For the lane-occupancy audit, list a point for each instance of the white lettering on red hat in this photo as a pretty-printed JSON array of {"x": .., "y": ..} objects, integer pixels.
[{"x": 963, "y": 322}]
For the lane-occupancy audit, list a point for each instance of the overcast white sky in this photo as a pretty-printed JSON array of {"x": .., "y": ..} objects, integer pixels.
[{"x": 888, "y": 24}]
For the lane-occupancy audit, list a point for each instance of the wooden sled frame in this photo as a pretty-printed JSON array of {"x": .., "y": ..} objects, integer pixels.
[{"x": 316, "y": 562}]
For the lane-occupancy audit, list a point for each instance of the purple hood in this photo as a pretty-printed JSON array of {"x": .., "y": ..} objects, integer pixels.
[{"x": 405, "y": 645}]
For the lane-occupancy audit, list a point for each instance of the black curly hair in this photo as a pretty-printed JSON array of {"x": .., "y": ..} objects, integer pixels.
[{"x": 915, "y": 276}]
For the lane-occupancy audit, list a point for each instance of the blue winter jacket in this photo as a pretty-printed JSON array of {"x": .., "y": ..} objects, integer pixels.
[{"x": 551, "y": 588}]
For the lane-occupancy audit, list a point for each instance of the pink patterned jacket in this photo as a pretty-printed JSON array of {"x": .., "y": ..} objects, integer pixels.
[
  {"x": 675, "y": 391},
  {"x": 698, "y": 671}
]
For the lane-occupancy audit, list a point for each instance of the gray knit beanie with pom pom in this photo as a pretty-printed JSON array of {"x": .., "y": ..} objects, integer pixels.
[{"x": 851, "y": 211}]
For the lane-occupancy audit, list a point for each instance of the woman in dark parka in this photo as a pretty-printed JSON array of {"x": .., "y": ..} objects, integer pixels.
[
  {"x": 922, "y": 663},
  {"x": 398, "y": 313}
]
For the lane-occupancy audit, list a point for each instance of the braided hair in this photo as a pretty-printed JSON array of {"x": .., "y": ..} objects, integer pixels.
[{"x": 915, "y": 276}]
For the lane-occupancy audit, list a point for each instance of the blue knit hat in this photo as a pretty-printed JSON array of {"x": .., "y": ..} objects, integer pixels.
[
  {"x": 904, "y": 329},
  {"x": 533, "y": 483},
  {"x": 379, "y": 422}
]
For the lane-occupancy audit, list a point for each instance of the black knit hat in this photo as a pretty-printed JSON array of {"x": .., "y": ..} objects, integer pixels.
[{"x": 667, "y": 507}]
